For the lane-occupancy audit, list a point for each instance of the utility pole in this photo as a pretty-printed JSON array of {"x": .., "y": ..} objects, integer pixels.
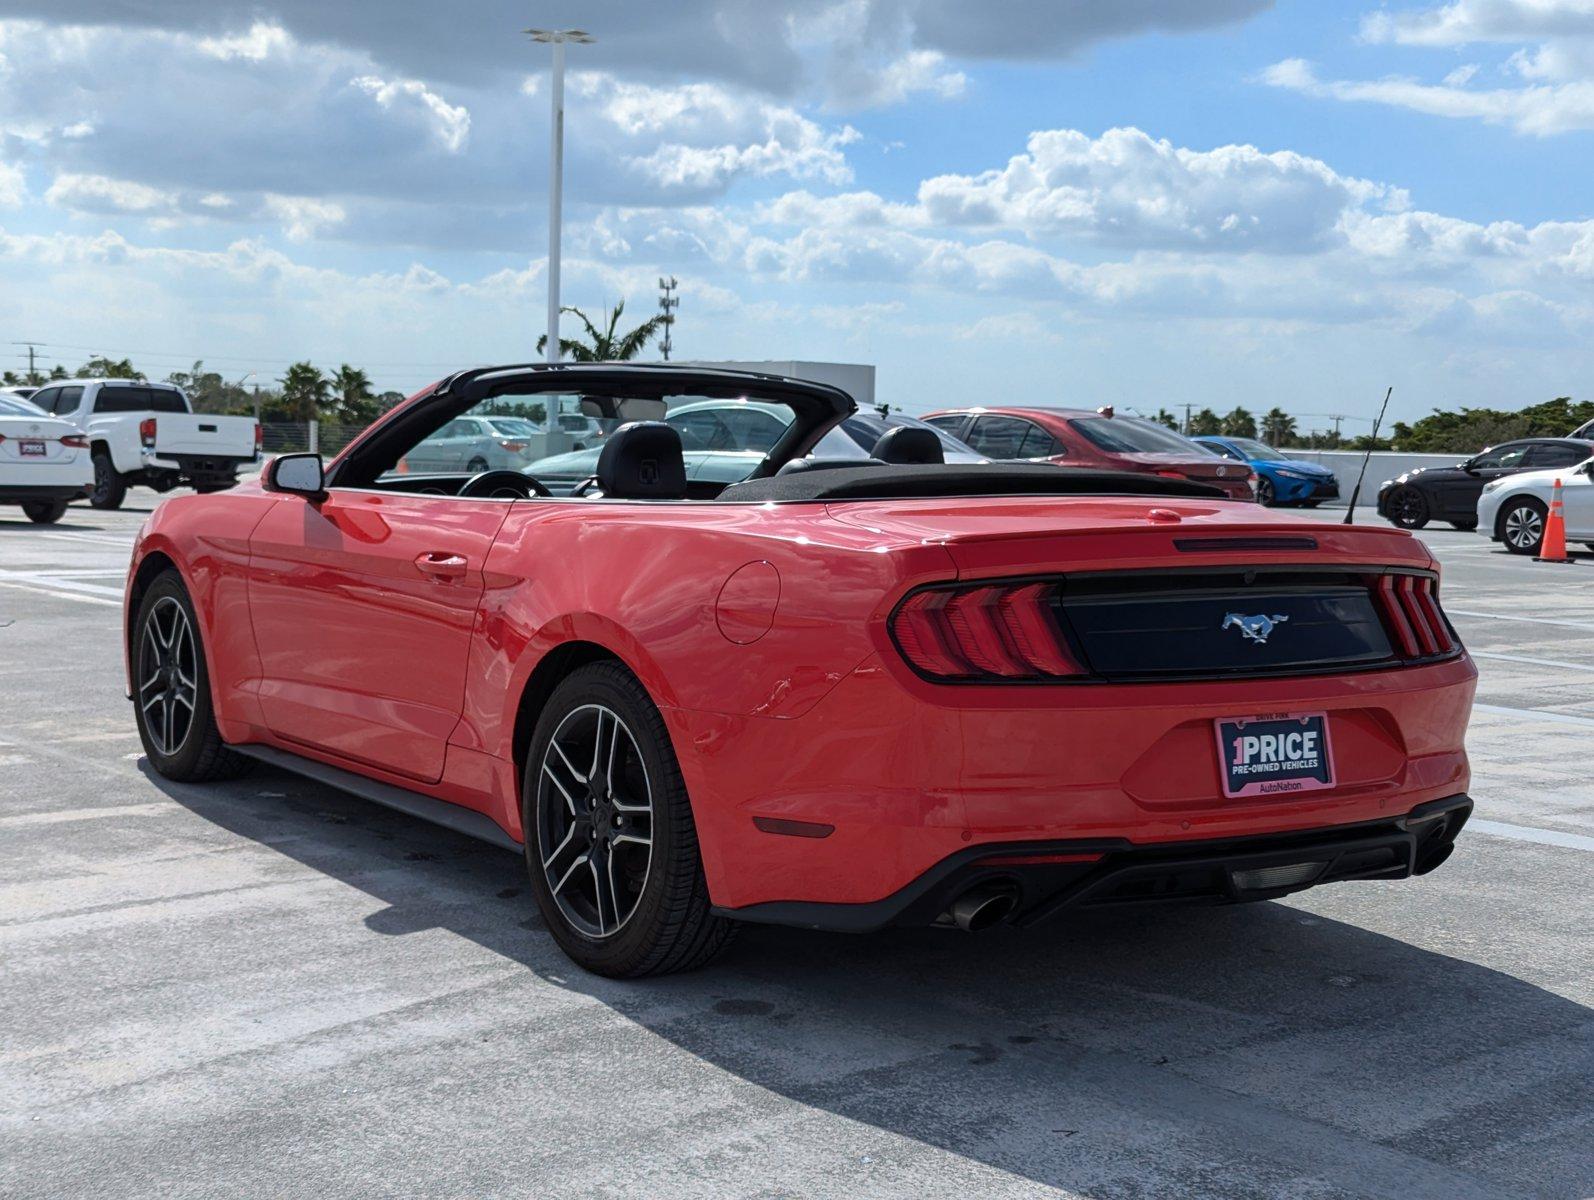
[
  {"x": 556, "y": 166},
  {"x": 667, "y": 306},
  {"x": 33, "y": 375},
  {"x": 1186, "y": 429}
]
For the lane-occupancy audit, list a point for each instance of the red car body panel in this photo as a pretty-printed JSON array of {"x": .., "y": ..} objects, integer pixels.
[
  {"x": 1232, "y": 480},
  {"x": 760, "y": 632}
]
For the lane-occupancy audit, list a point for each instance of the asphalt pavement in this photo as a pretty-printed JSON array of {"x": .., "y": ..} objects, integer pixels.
[{"x": 269, "y": 988}]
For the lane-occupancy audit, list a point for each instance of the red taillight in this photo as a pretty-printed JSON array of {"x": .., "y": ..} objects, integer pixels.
[
  {"x": 1411, "y": 610},
  {"x": 260, "y": 437},
  {"x": 997, "y": 631},
  {"x": 1172, "y": 474},
  {"x": 513, "y": 447},
  {"x": 76, "y": 441},
  {"x": 146, "y": 432}
]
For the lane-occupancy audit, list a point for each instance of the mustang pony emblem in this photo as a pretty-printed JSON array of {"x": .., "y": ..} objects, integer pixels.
[{"x": 1257, "y": 628}]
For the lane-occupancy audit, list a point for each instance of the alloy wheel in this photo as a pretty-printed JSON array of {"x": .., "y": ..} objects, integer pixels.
[
  {"x": 595, "y": 820},
  {"x": 168, "y": 674},
  {"x": 1409, "y": 507},
  {"x": 1264, "y": 493},
  {"x": 1524, "y": 527}
]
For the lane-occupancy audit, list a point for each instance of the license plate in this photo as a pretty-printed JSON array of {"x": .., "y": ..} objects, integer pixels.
[
  {"x": 31, "y": 449},
  {"x": 1274, "y": 754}
]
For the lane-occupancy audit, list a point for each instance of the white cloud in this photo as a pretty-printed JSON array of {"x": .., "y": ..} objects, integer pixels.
[
  {"x": 450, "y": 123},
  {"x": 1465, "y": 22},
  {"x": 101, "y": 194},
  {"x": 704, "y": 134},
  {"x": 304, "y": 218},
  {"x": 13, "y": 186},
  {"x": 261, "y": 41},
  {"x": 1540, "y": 111}
]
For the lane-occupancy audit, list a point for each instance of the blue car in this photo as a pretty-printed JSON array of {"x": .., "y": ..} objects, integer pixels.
[{"x": 1279, "y": 480}]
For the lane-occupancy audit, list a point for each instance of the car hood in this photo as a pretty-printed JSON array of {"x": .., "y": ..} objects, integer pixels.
[{"x": 1298, "y": 465}]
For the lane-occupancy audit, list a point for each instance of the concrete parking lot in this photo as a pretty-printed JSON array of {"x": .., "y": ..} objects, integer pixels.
[{"x": 270, "y": 988}]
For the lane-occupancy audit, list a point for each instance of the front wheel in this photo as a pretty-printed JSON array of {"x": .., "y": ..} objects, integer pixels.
[
  {"x": 171, "y": 689},
  {"x": 44, "y": 512},
  {"x": 110, "y": 489},
  {"x": 1407, "y": 508},
  {"x": 1265, "y": 494},
  {"x": 1522, "y": 525},
  {"x": 610, "y": 842}
]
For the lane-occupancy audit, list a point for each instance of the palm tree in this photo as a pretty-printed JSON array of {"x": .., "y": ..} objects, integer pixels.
[
  {"x": 1278, "y": 427},
  {"x": 606, "y": 345},
  {"x": 304, "y": 391},
  {"x": 1239, "y": 423},
  {"x": 356, "y": 403},
  {"x": 1206, "y": 423}
]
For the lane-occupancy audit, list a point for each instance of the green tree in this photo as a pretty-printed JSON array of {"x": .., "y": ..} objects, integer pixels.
[
  {"x": 11, "y": 379},
  {"x": 100, "y": 367},
  {"x": 1206, "y": 423},
  {"x": 1239, "y": 423},
  {"x": 1278, "y": 427},
  {"x": 606, "y": 345},
  {"x": 1166, "y": 419},
  {"x": 1471, "y": 429},
  {"x": 354, "y": 401},
  {"x": 304, "y": 391}
]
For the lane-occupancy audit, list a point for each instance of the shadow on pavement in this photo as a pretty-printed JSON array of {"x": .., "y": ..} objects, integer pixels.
[{"x": 1229, "y": 1052}]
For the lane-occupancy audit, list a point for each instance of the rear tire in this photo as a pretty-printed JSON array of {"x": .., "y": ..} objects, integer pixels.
[
  {"x": 1407, "y": 508},
  {"x": 476, "y": 466},
  {"x": 44, "y": 512},
  {"x": 1521, "y": 525},
  {"x": 171, "y": 690},
  {"x": 110, "y": 489},
  {"x": 600, "y": 777}
]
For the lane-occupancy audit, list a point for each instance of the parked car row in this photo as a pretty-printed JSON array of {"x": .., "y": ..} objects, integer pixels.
[
  {"x": 1503, "y": 490},
  {"x": 97, "y": 437}
]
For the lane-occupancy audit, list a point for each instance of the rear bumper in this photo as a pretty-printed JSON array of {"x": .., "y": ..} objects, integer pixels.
[
  {"x": 27, "y": 492},
  {"x": 1049, "y": 878}
]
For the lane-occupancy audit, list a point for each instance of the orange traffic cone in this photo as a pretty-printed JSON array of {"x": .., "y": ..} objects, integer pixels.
[{"x": 1553, "y": 547}]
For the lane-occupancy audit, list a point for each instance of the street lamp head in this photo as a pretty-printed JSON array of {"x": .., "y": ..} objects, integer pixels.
[{"x": 560, "y": 35}]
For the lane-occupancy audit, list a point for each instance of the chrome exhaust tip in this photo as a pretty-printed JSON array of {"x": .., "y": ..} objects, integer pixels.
[{"x": 983, "y": 906}]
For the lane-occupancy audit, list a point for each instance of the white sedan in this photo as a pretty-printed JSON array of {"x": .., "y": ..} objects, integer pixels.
[
  {"x": 1513, "y": 509},
  {"x": 44, "y": 461}
]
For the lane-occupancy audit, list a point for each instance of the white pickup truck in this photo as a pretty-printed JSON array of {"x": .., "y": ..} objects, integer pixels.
[{"x": 145, "y": 433}]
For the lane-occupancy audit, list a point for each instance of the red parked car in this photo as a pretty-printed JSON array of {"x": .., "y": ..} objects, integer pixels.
[
  {"x": 842, "y": 696},
  {"x": 1072, "y": 437}
]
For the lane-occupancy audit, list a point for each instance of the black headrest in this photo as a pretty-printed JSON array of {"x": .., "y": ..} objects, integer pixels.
[
  {"x": 908, "y": 444},
  {"x": 798, "y": 466},
  {"x": 642, "y": 461}
]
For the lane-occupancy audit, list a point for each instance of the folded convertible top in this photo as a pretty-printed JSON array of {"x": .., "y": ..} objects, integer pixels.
[{"x": 887, "y": 482}]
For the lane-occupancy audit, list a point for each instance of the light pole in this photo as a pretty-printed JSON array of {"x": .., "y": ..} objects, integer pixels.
[{"x": 556, "y": 166}]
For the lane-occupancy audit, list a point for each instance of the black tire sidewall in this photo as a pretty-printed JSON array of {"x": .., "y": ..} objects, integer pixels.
[
  {"x": 1266, "y": 493},
  {"x": 186, "y": 762},
  {"x": 112, "y": 494},
  {"x": 612, "y": 686},
  {"x": 44, "y": 512},
  {"x": 1395, "y": 503},
  {"x": 1512, "y": 506}
]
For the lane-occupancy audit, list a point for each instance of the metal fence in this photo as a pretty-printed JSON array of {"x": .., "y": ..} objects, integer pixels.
[{"x": 298, "y": 437}]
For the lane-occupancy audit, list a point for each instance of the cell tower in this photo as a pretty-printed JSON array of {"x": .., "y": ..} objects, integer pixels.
[{"x": 668, "y": 303}]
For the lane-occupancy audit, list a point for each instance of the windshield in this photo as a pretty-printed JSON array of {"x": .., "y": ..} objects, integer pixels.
[
  {"x": 514, "y": 427},
  {"x": 15, "y": 406},
  {"x": 865, "y": 429},
  {"x": 1252, "y": 448},
  {"x": 1131, "y": 435}
]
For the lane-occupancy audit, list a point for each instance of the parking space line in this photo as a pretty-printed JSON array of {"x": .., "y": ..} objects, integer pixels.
[
  {"x": 45, "y": 591},
  {"x": 1527, "y": 833},
  {"x": 49, "y": 579},
  {"x": 1466, "y": 612},
  {"x": 1536, "y": 662},
  {"x": 1536, "y": 714}
]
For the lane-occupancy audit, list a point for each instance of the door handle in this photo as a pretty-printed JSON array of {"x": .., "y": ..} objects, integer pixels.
[{"x": 440, "y": 564}]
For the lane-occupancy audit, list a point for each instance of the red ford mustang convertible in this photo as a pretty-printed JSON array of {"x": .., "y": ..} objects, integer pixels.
[{"x": 841, "y": 694}]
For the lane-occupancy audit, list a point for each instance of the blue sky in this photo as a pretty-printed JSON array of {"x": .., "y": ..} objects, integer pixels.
[{"x": 1141, "y": 202}]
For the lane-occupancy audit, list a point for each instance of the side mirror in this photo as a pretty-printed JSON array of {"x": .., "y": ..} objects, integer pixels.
[
  {"x": 1469, "y": 467},
  {"x": 296, "y": 474}
]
